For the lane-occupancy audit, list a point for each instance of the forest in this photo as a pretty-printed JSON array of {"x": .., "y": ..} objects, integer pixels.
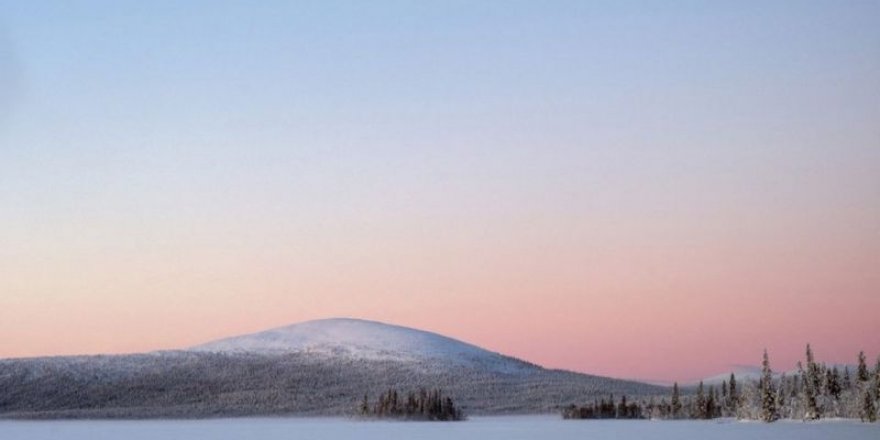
[
  {"x": 813, "y": 392},
  {"x": 422, "y": 405},
  {"x": 195, "y": 385}
]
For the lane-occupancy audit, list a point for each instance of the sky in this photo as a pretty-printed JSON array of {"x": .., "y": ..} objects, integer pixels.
[{"x": 649, "y": 190}]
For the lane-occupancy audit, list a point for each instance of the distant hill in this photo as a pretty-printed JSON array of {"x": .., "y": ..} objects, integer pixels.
[
  {"x": 320, "y": 367},
  {"x": 753, "y": 373},
  {"x": 742, "y": 373}
]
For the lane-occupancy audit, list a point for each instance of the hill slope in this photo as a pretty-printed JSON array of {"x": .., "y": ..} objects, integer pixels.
[
  {"x": 366, "y": 340},
  {"x": 316, "y": 368}
]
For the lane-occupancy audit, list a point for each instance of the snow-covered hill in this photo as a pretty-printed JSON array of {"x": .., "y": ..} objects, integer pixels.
[
  {"x": 362, "y": 339},
  {"x": 320, "y": 367},
  {"x": 742, "y": 372},
  {"x": 753, "y": 373}
]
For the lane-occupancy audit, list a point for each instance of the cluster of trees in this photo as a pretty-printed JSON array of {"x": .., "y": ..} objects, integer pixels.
[
  {"x": 423, "y": 405},
  {"x": 813, "y": 392},
  {"x": 706, "y": 403},
  {"x": 605, "y": 409}
]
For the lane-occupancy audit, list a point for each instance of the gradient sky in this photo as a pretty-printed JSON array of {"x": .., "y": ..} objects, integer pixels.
[{"x": 652, "y": 190}]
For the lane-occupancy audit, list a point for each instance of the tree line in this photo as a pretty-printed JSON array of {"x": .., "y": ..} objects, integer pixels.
[
  {"x": 421, "y": 405},
  {"x": 813, "y": 392}
]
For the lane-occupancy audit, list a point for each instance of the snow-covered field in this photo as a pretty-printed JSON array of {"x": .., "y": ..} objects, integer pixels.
[{"x": 481, "y": 428}]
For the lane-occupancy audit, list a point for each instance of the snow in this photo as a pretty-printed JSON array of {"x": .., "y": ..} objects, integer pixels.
[
  {"x": 355, "y": 338},
  {"x": 753, "y": 372},
  {"x": 742, "y": 372},
  {"x": 482, "y": 428}
]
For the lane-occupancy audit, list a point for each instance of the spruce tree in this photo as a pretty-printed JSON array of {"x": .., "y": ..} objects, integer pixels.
[
  {"x": 769, "y": 412},
  {"x": 811, "y": 407},
  {"x": 811, "y": 410},
  {"x": 868, "y": 412},
  {"x": 862, "y": 372},
  {"x": 781, "y": 401},
  {"x": 676, "y": 401},
  {"x": 814, "y": 372},
  {"x": 711, "y": 398},
  {"x": 832, "y": 383},
  {"x": 877, "y": 378},
  {"x": 792, "y": 385},
  {"x": 700, "y": 404},
  {"x": 733, "y": 395}
]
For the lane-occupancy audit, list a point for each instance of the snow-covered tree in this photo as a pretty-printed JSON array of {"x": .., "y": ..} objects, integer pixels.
[
  {"x": 877, "y": 378},
  {"x": 712, "y": 403},
  {"x": 769, "y": 412},
  {"x": 699, "y": 410},
  {"x": 814, "y": 372},
  {"x": 732, "y": 395},
  {"x": 782, "y": 398},
  {"x": 810, "y": 383},
  {"x": 832, "y": 383},
  {"x": 847, "y": 379},
  {"x": 869, "y": 411}
]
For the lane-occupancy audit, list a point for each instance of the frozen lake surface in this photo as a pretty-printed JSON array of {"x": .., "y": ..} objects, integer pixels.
[{"x": 477, "y": 428}]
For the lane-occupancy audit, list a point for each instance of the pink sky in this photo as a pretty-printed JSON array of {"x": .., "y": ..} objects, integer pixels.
[
  {"x": 658, "y": 302},
  {"x": 652, "y": 192}
]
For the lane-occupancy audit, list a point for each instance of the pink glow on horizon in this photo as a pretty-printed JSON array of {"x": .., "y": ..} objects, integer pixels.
[{"x": 655, "y": 312}]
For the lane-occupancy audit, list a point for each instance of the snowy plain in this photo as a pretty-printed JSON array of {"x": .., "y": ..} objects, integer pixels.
[{"x": 482, "y": 428}]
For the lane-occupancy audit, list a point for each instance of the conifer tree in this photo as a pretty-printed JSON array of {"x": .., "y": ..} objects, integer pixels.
[
  {"x": 733, "y": 395},
  {"x": 811, "y": 410},
  {"x": 665, "y": 409},
  {"x": 877, "y": 378},
  {"x": 769, "y": 411},
  {"x": 813, "y": 372},
  {"x": 832, "y": 383},
  {"x": 809, "y": 381},
  {"x": 676, "y": 401},
  {"x": 711, "y": 398},
  {"x": 792, "y": 385},
  {"x": 781, "y": 401},
  {"x": 862, "y": 372},
  {"x": 869, "y": 411},
  {"x": 700, "y": 404}
]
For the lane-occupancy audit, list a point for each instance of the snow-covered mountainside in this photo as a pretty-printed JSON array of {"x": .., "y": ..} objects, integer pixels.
[
  {"x": 319, "y": 367},
  {"x": 362, "y": 339}
]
